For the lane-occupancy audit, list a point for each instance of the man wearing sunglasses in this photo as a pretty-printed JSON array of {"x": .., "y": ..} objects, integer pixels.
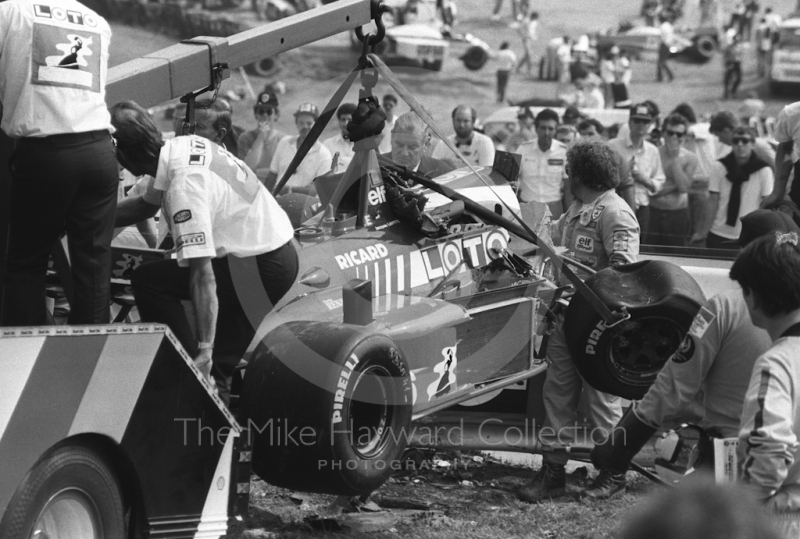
[
  {"x": 736, "y": 189},
  {"x": 257, "y": 147},
  {"x": 669, "y": 208}
]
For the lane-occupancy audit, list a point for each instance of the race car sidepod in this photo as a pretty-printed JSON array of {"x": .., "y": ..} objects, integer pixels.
[
  {"x": 326, "y": 405},
  {"x": 624, "y": 360}
]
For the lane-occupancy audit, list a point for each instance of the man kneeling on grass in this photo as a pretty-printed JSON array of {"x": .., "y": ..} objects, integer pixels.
[{"x": 715, "y": 362}]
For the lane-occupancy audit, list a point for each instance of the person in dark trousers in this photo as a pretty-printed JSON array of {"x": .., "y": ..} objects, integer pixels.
[
  {"x": 733, "y": 67},
  {"x": 666, "y": 41},
  {"x": 506, "y": 60},
  {"x": 64, "y": 175},
  {"x": 234, "y": 256}
]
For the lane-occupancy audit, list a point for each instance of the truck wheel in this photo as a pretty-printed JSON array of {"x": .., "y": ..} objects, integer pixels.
[
  {"x": 266, "y": 67},
  {"x": 475, "y": 58},
  {"x": 327, "y": 407},
  {"x": 704, "y": 48},
  {"x": 662, "y": 300},
  {"x": 70, "y": 493}
]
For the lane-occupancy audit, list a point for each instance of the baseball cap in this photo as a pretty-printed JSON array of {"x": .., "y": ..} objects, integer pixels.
[
  {"x": 642, "y": 111},
  {"x": 267, "y": 99},
  {"x": 307, "y": 108},
  {"x": 761, "y": 222}
]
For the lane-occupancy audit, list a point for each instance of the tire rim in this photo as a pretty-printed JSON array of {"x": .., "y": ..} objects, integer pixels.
[
  {"x": 69, "y": 514},
  {"x": 636, "y": 356},
  {"x": 371, "y": 412}
]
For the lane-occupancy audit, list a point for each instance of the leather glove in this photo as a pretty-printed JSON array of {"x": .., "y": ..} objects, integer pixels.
[{"x": 626, "y": 440}]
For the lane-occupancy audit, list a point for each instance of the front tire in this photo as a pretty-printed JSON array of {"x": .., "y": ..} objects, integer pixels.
[
  {"x": 345, "y": 397},
  {"x": 71, "y": 493}
]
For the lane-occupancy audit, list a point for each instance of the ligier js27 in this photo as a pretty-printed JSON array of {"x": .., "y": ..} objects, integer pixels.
[{"x": 416, "y": 298}]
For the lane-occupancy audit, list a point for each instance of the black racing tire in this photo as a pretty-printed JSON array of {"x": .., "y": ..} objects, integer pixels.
[
  {"x": 662, "y": 300},
  {"x": 72, "y": 490},
  {"x": 475, "y": 58},
  {"x": 355, "y": 414},
  {"x": 266, "y": 67},
  {"x": 704, "y": 48}
]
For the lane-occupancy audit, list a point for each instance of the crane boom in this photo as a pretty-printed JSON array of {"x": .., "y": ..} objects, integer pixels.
[{"x": 188, "y": 66}]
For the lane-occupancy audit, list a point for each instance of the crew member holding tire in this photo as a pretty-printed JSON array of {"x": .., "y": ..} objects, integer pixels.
[
  {"x": 235, "y": 259},
  {"x": 53, "y": 68},
  {"x": 715, "y": 360},
  {"x": 599, "y": 230}
]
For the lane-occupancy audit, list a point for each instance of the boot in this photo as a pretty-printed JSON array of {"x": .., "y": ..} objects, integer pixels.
[
  {"x": 549, "y": 482},
  {"x": 606, "y": 485},
  {"x": 626, "y": 439}
]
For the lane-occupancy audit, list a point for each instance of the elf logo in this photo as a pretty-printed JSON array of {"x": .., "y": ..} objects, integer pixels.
[
  {"x": 377, "y": 196},
  {"x": 594, "y": 336}
]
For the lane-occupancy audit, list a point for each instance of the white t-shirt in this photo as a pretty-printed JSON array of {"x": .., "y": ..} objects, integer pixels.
[
  {"x": 337, "y": 143},
  {"x": 647, "y": 159},
  {"x": 479, "y": 152},
  {"x": 541, "y": 174},
  {"x": 787, "y": 128},
  {"x": 53, "y": 68},
  {"x": 667, "y": 33},
  {"x": 506, "y": 60},
  {"x": 214, "y": 204},
  {"x": 385, "y": 145},
  {"x": 753, "y": 190},
  {"x": 316, "y": 163}
]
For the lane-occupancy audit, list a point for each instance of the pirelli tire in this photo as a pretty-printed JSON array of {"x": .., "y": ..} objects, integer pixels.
[
  {"x": 341, "y": 394},
  {"x": 70, "y": 493},
  {"x": 662, "y": 300}
]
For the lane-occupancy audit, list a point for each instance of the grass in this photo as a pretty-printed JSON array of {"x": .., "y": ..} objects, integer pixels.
[{"x": 485, "y": 507}]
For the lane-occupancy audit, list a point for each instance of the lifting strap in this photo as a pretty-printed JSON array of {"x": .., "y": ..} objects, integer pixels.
[
  {"x": 610, "y": 318},
  {"x": 316, "y": 130}
]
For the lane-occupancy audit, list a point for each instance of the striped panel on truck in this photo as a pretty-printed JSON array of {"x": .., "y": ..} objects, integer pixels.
[{"x": 134, "y": 385}]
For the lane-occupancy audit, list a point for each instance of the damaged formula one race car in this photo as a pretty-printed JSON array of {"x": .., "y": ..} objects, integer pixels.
[
  {"x": 415, "y": 298},
  {"x": 419, "y": 295}
]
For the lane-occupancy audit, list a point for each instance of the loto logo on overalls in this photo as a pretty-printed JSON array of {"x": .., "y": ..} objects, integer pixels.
[{"x": 594, "y": 336}]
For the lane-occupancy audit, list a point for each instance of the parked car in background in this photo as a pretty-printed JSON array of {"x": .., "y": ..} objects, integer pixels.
[
  {"x": 413, "y": 34},
  {"x": 785, "y": 66},
  {"x": 642, "y": 42}
]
